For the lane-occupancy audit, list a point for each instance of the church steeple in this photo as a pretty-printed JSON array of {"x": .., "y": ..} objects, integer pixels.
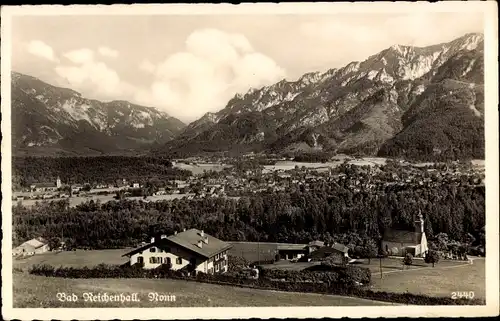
[{"x": 419, "y": 223}]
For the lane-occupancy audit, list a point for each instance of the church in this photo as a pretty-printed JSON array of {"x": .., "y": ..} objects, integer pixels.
[{"x": 400, "y": 242}]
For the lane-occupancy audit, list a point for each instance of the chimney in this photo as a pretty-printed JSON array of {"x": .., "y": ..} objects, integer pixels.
[
  {"x": 152, "y": 239},
  {"x": 202, "y": 233},
  {"x": 200, "y": 244},
  {"x": 184, "y": 229},
  {"x": 175, "y": 232}
]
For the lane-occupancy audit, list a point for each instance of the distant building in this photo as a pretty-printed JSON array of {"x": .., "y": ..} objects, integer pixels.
[
  {"x": 291, "y": 251},
  {"x": 31, "y": 247},
  {"x": 337, "y": 253},
  {"x": 47, "y": 186},
  {"x": 314, "y": 245},
  {"x": 191, "y": 250},
  {"x": 398, "y": 242}
]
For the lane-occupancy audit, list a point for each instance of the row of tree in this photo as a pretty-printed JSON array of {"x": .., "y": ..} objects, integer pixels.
[
  {"x": 327, "y": 212},
  {"x": 101, "y": 170}
]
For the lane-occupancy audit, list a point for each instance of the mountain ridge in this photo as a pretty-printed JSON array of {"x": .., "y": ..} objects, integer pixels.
[
  {"x": 313, "y": 112},
  {"x": 47, "y": 118}
]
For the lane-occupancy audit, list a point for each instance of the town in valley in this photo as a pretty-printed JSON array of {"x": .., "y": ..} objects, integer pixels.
[{"x": 247, "y": 161}]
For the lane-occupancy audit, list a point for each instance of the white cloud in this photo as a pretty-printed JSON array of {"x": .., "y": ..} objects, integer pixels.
[
  {"x": 356, "y": 37},
  {"x": 93, "y": 78},
  {"x": 214, "y": 67},
  {"x": 108, "y": 52},
  {"x": 80, "y": 56},
  {"x": 147, "y": 66},
  {"x": 41, "y": 49}
]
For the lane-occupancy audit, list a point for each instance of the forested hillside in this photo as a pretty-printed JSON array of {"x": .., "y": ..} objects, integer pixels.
[{"x": 329, "y": 212}]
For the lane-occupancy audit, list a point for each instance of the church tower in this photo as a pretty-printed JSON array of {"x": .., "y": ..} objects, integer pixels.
[{"x": 419, "y": 223}]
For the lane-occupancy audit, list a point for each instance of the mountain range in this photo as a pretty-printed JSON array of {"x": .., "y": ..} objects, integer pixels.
[
  {"x": 51, "y": 120},
  {"x": 413, "y": 102}
]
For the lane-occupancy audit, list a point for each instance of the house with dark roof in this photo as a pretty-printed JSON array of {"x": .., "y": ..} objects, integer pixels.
[
  {"x": 336, "y": 253},
  {"x": 314, "y": 245},
  {"x": 289, "y": 251},
  {"x": 191, "y": 250},
  {"x": 400, "y": 242}
]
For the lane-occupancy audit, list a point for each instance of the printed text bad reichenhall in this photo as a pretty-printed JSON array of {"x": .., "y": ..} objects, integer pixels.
[{"x": 106, "y": 297}]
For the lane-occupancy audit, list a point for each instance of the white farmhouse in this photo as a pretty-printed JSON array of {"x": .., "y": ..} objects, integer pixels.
[
  {"x": 191, "y": 250},
  {"x": 31, "y": 247}
]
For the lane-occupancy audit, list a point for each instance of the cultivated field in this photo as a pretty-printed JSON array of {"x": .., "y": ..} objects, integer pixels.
[{"x": 38, "y": 291}]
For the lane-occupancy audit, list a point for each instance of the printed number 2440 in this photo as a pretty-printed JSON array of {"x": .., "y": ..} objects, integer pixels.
[{"x": 462, "y": 295}]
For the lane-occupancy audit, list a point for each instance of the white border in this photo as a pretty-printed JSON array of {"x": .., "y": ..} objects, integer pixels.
[{"x": 491, "y": 131}]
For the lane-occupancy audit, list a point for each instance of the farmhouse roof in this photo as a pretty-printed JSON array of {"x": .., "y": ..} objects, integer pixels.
[
  {"x": 35, "y": 243},
  {"x": 401, "y": 236},
  {"x": 340, "y": 247},
  {"x": 316, "y": 243},
  {"x": 189, "y": 240},
  {"x": 290, "y": 247},
  {"x": 326, "y": 251}
]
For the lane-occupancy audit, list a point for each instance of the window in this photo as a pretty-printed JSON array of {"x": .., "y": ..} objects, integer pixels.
[
  {"x": 140, "y": 259},
  {"x": 152, "y": 250},
  {"x": 155, "y": 260},
  {"x": 217, "y": 267},
  {"x": 178, "y": 260}
]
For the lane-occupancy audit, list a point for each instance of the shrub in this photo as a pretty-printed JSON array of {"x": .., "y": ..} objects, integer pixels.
[
  {"x": 408, "y": 259},
  {"x": 236, "y": 263},
  {"x": 432, "y": 257}
]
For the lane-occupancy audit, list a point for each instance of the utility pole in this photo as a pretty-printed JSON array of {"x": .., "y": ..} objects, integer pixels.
[
  {"x": 380, "y": 257},
  {"x": 258, "y": 250}
]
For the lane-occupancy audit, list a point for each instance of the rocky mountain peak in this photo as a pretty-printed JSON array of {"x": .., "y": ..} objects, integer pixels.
[{"x": 352, "y": 109}]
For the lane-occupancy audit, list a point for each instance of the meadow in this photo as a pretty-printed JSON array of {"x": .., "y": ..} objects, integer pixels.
[
  {"x": 76, "y": 200},
  {"x": 78, "y": 258},
  {"x": 37, "y": 291},
  {"x": 443, "y": 279},
  {"x": 34, "y": 291},
  {"x": 420, "y": 278}
]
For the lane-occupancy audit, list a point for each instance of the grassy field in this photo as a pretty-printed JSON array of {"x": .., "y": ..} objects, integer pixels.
[
  {"x": 446, "y": 277},
  {"x": 38, "y": 291},
  {"x": 420, "y": 278},
  {"x": 76, "y": 200},
  {"x": 78, "y": 258}
]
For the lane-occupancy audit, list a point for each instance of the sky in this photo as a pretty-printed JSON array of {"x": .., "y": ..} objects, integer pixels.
[{"x": 192, "y": 64}]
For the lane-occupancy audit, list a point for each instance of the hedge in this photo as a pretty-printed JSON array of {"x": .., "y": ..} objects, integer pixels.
[{"x": 293, "y": 282}]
